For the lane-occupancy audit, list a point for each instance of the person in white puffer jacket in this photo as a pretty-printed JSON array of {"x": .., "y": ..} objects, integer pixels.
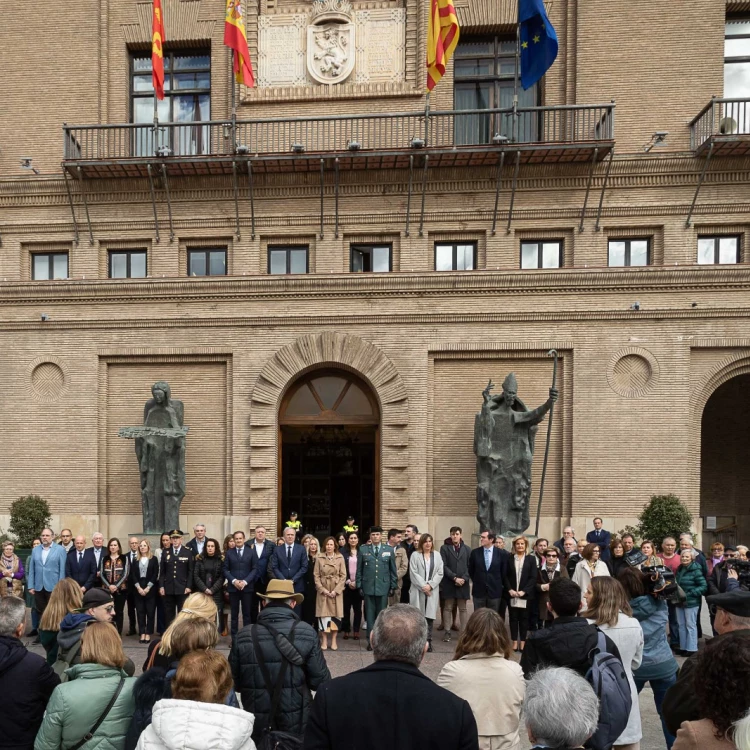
[{"x": 195, "y": 718}]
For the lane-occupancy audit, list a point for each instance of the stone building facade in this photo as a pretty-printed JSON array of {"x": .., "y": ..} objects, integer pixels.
[{"x": 225, "y": 258}]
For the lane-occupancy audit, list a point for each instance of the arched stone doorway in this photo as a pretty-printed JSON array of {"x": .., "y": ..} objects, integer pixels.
[
  {"x": 725, "y": 461},
  {"x": 329, "y": 437}
]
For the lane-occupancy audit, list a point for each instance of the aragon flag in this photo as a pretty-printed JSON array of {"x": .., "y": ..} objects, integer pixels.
[
  {"x": 157, "y": 53},
  {"x": 442, "y": 38},
  {"x": 235, "y": 37}
]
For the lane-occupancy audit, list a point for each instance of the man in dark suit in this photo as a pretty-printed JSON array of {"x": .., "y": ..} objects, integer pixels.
[
  {"x": 79, "y": 566},
  {"x": 262, "y": 549},
  {"x": 601, "y": 537},
  {"x": 132, "y": 554},
  {"x": 488, "y": 567},
  {"x": 399, "y": 690},
  {"x": 96, "y": 552},
  {"x": 175, "y": 575},
  {"x": 409, "y": 546},
  {"x": 240, "y": 570},
  {"x": 289, "y": 561},
  {"x": 198, "y": 542}
]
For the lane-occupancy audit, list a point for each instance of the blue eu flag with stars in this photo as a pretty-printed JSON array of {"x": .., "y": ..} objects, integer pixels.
[{"x": 538, "y": 41}]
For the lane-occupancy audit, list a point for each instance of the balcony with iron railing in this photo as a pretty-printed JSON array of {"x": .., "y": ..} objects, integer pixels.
[
  {"x": 450, "y": 138},
  {"x": 722, "y": 127}
]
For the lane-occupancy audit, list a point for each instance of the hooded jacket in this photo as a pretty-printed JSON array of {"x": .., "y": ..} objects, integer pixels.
[
  {"x": 174, "y": 722},
  {"x": 658, "y": 660},
  {"x": 71, "y": 630},
  {"x": 76, "y": 705},
  {"x": 26, "y": 682}
]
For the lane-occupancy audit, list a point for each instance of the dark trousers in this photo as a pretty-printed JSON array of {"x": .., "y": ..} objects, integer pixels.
[
  {"x": 406, "y": 587},
  {"x": 659, "y": 688},
  {"x": 352, "y": 601},
  {"x": 172, "y": 605},
  {"x": 120, "y": 598},
  {"x": 256, "y": 603},
  {"x": 41, "y": 600},
  {"x": 674, "y": 633},
  {"x": 532, "y": 608},
  {"x": 160, "y": 614},
  {"x": 374, "y": 605},
  {"x": 237, "y": 598},
  {"x": 132, "y": 594},
  {"x": 519, "y": 622},
  {"x": 483, "y": 601},
  {"x": 145, "y": 607}
]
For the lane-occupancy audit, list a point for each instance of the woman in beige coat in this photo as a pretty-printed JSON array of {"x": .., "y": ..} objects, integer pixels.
[
  {"x": 484, "y": 675},
  {"x": 330, "y": 577}
]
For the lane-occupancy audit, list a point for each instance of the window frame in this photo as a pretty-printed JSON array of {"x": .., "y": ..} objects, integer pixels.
[
  {"x": 370, "y": 246},
  {"x": 628, "y": 241},
  {"x": 716, "y": 239},
  {"x": 207, "y": 251},
  {"x": 540, "y": 253},
  {"x": 128, "y": 254},
  {"x": 454, "y": 244},
  {"x": 50, "y": 265},
  {"x": 287, "y": 249}
]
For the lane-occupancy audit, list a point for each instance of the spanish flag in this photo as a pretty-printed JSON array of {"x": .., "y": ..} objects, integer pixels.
[
  {"x": 157, "y": 53},
  {"x": 235, "y": 37},
  {"x": 442, "y": 38}
]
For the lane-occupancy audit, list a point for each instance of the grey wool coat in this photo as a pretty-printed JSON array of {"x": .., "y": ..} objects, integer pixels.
[{"x": 455, "y": 565}]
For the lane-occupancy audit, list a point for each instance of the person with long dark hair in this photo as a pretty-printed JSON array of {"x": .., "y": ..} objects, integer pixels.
[
  {"x": 209, "y": 577},
  {"x": 352, "y": 598},
  {"x": 114, "y": 571},
  {"x": 617, "y": 560},
  {"x": 426, "y": 572},
  {"x": 161, "y": 617},
  {"x": 144, "y": 580}
]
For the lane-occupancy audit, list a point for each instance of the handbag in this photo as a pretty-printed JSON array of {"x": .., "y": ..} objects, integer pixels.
[
  {"x": 272, "y": 738},
  {"x": 86, "y": 737}
]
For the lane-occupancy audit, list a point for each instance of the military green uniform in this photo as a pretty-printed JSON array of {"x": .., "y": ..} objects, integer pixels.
[{"x": 376, "y": 576}]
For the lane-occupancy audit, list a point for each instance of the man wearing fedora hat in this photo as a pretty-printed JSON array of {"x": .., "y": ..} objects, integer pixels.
[{"x": 283, "y": 642}]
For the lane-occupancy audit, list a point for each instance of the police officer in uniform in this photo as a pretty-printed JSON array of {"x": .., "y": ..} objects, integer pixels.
[
  {"x": 376, "y": 576},
  {"x": 175, "y": 575},
  {"x": 293, "y": 523},
  {"x": 350, "y": 526}
]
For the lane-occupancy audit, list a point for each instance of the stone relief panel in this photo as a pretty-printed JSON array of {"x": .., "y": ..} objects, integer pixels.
[
  {"x": 281, "y": 53},
  {"x": 381, "y": 45}
]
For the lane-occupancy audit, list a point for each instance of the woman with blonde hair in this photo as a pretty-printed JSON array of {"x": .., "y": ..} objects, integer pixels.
[
  {"x": 608, "y": 607},
  {"x": 329, "y": 576},
  {"x": 483, "y": 673},
  {"x": 78, "y": 704},
  {"x": 520, "y": 583},
  {"x": 309, "y": 604},
  {"x": 11, "y": 570},
  {"x": 588, "y": 568},
  {"x": 65, "y": 599},
  {"x": 425, "y": 571},
  {"x": 144, "y": 578},
  {"x": 648, "y": 549}
]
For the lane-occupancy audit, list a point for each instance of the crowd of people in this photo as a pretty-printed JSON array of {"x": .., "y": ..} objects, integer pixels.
[{"x": 593, "y": 621}]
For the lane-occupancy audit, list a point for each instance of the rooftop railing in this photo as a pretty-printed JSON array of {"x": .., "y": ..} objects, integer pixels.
[{"x": 720, "y": 117}]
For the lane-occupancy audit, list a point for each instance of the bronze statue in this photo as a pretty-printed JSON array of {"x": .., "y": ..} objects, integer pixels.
[
  {"x": 160, "y": 448},
  {"x": 504, "y": 433}
]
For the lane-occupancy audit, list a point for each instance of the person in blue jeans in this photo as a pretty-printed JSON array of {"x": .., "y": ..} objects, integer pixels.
[{"x": 658, "y": 667}]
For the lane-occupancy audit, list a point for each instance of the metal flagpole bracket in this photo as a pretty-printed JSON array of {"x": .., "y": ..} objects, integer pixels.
[
  {"x": 498, "y": 182},
  {"x": 700, "y": 183},
  {"x": 588, "y": 189},
  {"x": 597, "y": 226},
  {"x": 252, "y": 198},
  {"x": 76, "y": 237},
  {"x": 169, "y": 201},
  {"x": 85, "y": 205},
  {"x": 408, "y": 193},
  {"x": 336, "y": 198},
  {"x": 153, "y": 201},
  {"x": 424, "y": 191},
  {"x": 236, "y": 200},
  {"x": 551, "y": 353},
  {"x": 322, "y": 168},
  {"x": 513, "y": 191}
]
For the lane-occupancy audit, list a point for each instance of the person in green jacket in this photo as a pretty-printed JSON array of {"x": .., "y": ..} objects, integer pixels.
[
  {"x": 78, "y": 704},
  {"x": 376, "y": 577},
  {"x": 691, "y": 580}
]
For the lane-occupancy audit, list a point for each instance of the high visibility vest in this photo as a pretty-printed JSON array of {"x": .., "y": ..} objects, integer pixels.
[
  {"x": 294, "y": 524},
  {"x": 350, "y": 529}
]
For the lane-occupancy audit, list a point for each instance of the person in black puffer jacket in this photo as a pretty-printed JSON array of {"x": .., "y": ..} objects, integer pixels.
[
  {"x": 306, "y": 671},
  {"x": 208, "y": 575}
]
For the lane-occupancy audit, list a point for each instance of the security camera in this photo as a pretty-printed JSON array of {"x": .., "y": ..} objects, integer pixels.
[{"x": 45, "y": 317}]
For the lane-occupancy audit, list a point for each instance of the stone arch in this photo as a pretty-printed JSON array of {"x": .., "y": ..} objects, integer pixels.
[{"x": 329, "y": 349}]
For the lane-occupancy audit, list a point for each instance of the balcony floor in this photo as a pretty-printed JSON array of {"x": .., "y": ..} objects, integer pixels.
[{"x": 725, "y": 145}]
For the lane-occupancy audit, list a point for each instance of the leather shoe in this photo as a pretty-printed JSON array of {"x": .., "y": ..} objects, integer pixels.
[
  {"x": 369, "y": 647},
  {"x": 429, "y": 648}
]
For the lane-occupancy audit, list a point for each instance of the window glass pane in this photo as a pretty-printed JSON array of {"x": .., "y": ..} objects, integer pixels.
[
  {"x": 298, "y": 261},
  {"x": 737, "y": 27},
  {"x": 357, "y": 261},
  {"x": 737, "y": 80},
  {"x": 354, "y": 403},
  {"x": 191, "y": 61},
  {"x": 41, "y": 267},
  {"x": 727, "y": 250},
  {"x": 465, "y": 258},
  {"x": 118, "y": 265},
  {"x": 485, "y": 47},
  {"x": 639, "y": 253},
  {"x": 508, "y": 46},
  {"x": 705, "y": 251},
  {"x": 616, "y": 253},
  {"x": 143, "y": 83},
  {"x": 472, "y": 68},
  {"x": 302, "y": 404},
  {"x": 277, "y": 261},
  {"x": 328, "y": 389},
  {"x": 190, "y": 108},
  {"x": 60, "y": 266},
  {"x": 444, "y": 257},
  {"x": 138, "y": 265},
  {"x": 529, "y": 255},
  {"x": 142, "y": 63},
  {"x": 551, "y": 255},
  {"x": 192, "y": 80},
  {"x": 198, "y": 263},
  {"x": 737, "y": 47},
  {"x": 217, "y": 263},
  {"x": 507, "y": 67},
  {"x": 381, "y": 259}
]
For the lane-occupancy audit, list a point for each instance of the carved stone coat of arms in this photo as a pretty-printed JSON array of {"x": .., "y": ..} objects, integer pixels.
[{"x": 331, "y": 42}]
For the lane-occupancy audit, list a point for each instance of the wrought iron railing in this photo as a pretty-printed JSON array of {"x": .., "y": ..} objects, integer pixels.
[
  {"x": 720, "y": 117},
  {"x": 379, "y": 133}
]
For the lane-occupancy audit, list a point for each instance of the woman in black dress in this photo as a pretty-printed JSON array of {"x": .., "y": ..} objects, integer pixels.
[
  {"x": 311, "y": 594},
  {"x": 114, "y": 570},
  {"x": 209, "y": 576}
]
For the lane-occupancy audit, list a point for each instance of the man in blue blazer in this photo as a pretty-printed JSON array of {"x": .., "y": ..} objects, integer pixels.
[
  {"x": 79, "y": 566},
  {"x": 601, "y": 537},
  {"x": 46, "y": 568},
  {"x": 262, "y": 549},
  {"x": 488, "y": 567},
  {"x": 289, "y": 562},
  {"x": 240, "y": 570}
]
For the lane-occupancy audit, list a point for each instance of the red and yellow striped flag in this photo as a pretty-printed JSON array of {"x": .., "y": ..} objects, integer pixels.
[
  {"x": 235, "y": 37},
  {"x": 442, "y": 38},
  {"x": 157, "y": 53}
]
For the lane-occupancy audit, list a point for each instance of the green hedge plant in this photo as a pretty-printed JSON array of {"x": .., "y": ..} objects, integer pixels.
[{"x": 28, "y": 516}]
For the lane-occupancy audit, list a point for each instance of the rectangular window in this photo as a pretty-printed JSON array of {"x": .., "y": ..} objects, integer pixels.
[
  {"x": 370, "y": 258},
  {"x": 207, "y": 262},
  {"x": 455, "y": 256},
  {"x": 127, "y": 264},
  {"x": 187, "y": 99},
  {"x": 484, "y": 69},
  {"x": 541, "y": 254},
  {"x": 718, "y": 250},
  {"x": 292, "y": 259},
  {"x": 627, "y": 252},
  {"x": 735, "y": 117},
  {"x": 49, "y": 266}
]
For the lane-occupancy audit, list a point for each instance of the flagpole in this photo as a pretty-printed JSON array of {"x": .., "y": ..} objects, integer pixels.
[
  {"x": 516, "y": 74},
  {"x": 426, "y": 117},
  {"x": 233, "y": 100}
]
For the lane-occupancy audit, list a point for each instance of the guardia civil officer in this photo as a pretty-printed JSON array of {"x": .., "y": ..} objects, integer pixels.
[
  {"x": 376, "y": 576},
  {"x": 175, "y": 575}
]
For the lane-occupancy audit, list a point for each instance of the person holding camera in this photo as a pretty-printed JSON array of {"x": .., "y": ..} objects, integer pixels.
[{"x": 690, "y": 578}]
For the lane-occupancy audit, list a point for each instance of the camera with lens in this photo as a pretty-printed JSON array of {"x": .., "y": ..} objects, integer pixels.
[
  {"x": 661, "y": 581},
  {"x": 635, "y": 557},
  {"x": 743, "y": 571}
]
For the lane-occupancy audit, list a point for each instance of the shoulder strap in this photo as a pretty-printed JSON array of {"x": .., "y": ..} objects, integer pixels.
[
  {"x": 601, "y": 641},
  {"x": 92, "y": 731},
  {"x": 273, "y": 690}
]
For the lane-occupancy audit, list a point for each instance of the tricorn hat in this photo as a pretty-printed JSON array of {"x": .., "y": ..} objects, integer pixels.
[
  {"x": 280, "y": 589},
  {"x": 376, "y": 529},
  {"x": 510, "y": 384}
]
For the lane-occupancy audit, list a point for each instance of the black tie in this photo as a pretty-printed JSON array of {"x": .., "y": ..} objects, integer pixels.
[
  {"x": 289, "y": 555},
  {"x": 80, "y": 556}
]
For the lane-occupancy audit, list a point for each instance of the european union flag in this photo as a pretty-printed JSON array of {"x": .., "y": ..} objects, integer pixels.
[{"x": 538, "y": 41}]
